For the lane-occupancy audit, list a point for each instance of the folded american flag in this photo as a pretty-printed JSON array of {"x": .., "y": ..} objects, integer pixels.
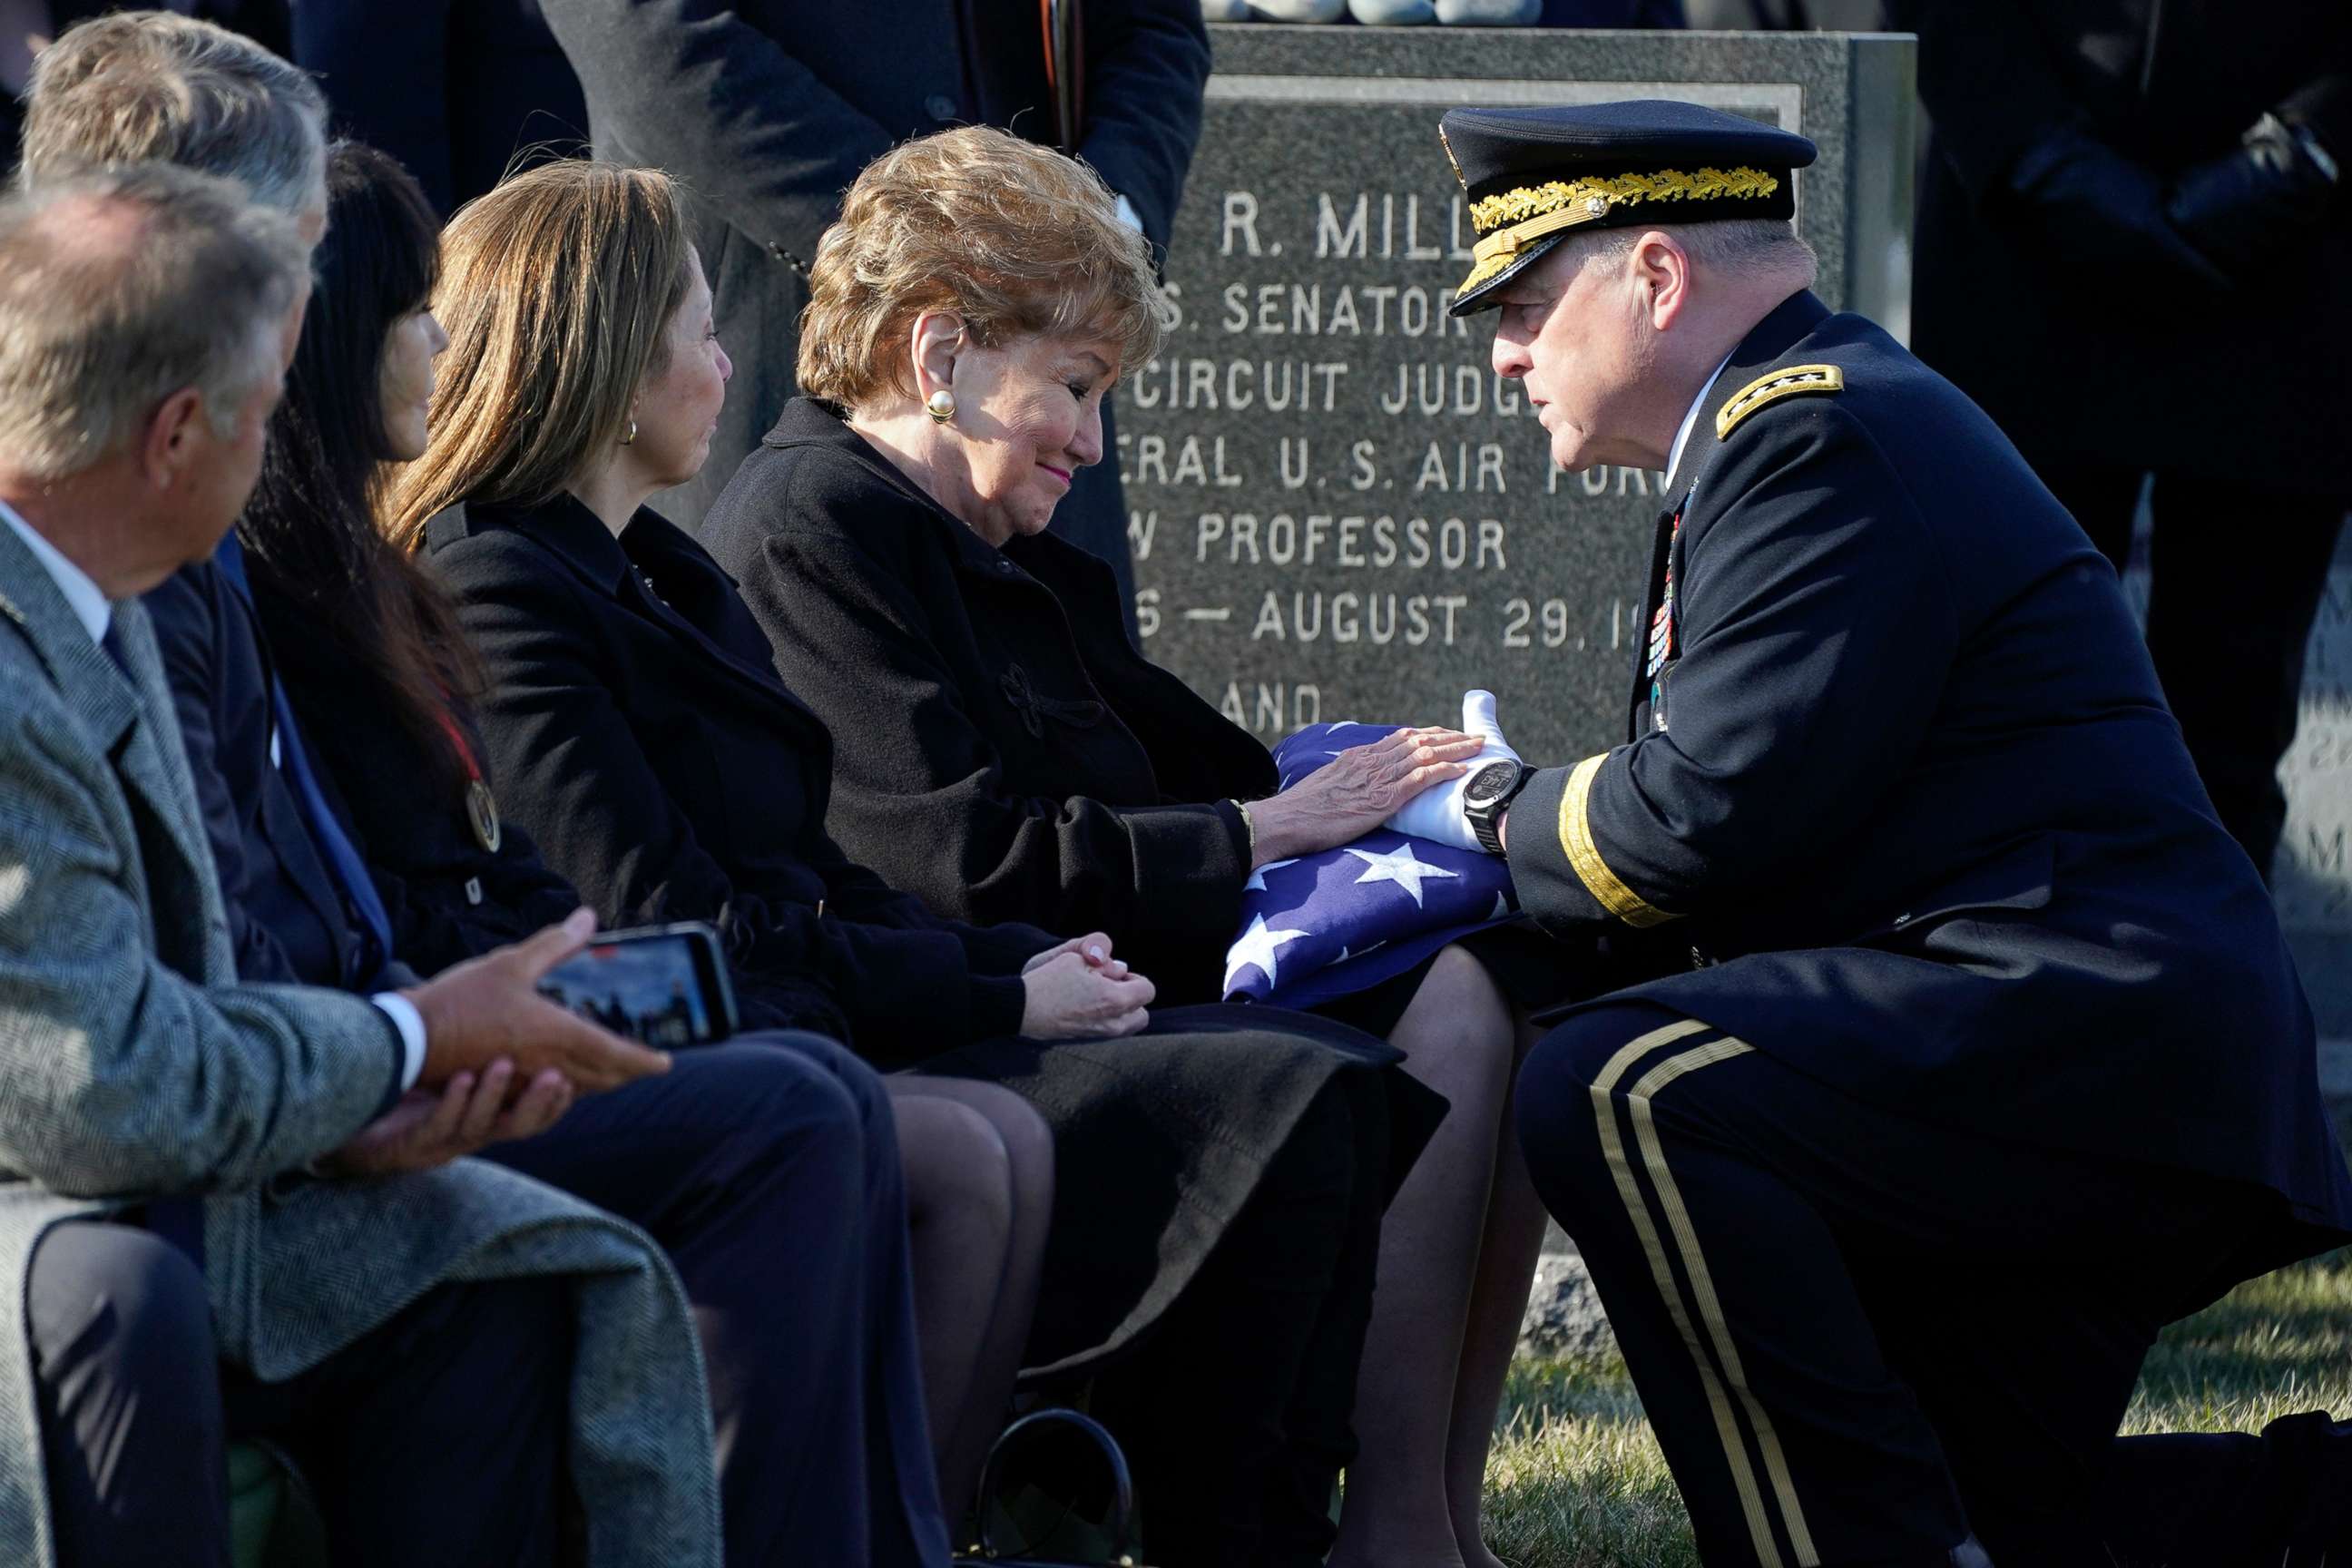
[{"x": 1326, "y": 925}]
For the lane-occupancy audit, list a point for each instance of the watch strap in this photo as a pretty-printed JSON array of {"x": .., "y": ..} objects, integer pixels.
[{"x": 1486, "y": 817}]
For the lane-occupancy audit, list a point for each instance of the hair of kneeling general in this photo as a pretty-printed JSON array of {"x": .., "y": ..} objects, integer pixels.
[{"x": 1735, "y": 244}]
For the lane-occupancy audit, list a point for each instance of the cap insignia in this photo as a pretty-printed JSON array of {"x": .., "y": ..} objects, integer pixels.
[
  {"x": 1511, "y": 220},
  {"x": 1666, "y": 185},
  {"x": 1789, "y": 381}
]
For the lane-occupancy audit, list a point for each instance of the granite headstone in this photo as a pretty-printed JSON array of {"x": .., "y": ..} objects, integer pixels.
[{"x": 1337, "y": 510}]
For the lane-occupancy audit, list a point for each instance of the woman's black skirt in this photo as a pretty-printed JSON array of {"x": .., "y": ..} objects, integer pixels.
[{"x": 1159, "y": 1140}]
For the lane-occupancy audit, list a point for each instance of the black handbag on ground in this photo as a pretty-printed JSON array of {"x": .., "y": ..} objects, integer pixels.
[{"x": 1056, "y": 1493}]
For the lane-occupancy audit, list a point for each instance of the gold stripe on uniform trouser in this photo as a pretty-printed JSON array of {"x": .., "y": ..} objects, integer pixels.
[{"x": 1710, "y": 1308}]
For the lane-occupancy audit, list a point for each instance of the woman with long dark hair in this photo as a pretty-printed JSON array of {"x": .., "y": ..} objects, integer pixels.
[{"x": 384, "y": 681}]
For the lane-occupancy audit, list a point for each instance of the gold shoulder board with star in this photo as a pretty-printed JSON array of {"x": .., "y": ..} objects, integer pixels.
[{"x": 1789, "y": 381}]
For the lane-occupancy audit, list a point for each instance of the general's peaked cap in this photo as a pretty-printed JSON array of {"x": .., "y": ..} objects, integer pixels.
[{"x": 1536, "y": 175}]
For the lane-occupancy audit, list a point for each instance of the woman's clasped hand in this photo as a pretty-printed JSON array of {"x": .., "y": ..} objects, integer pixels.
[
  {"x": 1078, "y": 991},
  {"x": 1360, "y": 789}
]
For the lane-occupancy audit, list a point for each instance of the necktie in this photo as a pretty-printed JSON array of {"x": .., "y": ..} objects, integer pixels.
[
  {"x": 111, "y": 646},
  {"x": 335, "y": 846}
]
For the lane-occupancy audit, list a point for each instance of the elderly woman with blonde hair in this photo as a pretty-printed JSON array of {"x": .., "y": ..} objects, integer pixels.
[
  {"x": 1214, "y": 1175},
  {"x": 1006, "y": 753}
]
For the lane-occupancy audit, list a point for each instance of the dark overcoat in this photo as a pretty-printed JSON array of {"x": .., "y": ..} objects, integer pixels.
[
  {"x": 1025, "y": 762},
  {"x": 453, "y": 89},
  {"x": 1903, "y": 784},
  {"x": 2081, "y": 366},
  {"x": 768, "y": 109},
  {"x": 670, "y": 776},
  {"x": 638, "y": 729}
]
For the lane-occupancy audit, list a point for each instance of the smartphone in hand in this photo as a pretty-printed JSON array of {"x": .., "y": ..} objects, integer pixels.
[{"x": 664, "y": 985}]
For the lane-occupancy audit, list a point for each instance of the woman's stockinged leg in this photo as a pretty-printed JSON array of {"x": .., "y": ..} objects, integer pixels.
[
  {"x": 1459, "y": 1038},
  {"x": 1507, "y": 1255},
  {"x": 980, "y": 1192}
]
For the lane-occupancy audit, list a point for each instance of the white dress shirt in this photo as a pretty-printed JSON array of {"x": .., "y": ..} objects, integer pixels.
[
  {"x": 83, "y": 596},
  {"x": 87, "y": 601},
  {"x": 1682, "y": 436}
]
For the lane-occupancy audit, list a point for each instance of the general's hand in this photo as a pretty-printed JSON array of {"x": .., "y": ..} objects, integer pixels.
[
  {"x": 425, "y": 1130},
  {"x": 490, "y": 1008},
  {"x": 1094, "y": 947},
  {"x": 1435, "y": 814},
  {"x": 1357, "y": 790},
  {"x": 1068, "y": 999}
]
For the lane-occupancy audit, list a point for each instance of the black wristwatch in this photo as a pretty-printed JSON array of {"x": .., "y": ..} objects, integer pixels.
[{"x": 1487, "y": 795}]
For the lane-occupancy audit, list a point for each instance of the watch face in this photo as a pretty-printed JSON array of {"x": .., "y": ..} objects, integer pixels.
[{"x": 1489, "y": 783}]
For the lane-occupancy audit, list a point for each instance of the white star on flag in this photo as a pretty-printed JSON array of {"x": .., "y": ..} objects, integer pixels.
[
  {"x": 1256, "y": 946},
  {"x": 1257, "y": 877},
  {"x": 1399, "y": 865},
  {"x": 1333, "y": 931}
]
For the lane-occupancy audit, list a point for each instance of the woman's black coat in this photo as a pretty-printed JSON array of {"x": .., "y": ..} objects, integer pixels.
[
  {"x": 1049, "y": 772},
  {"x": 662, "y": 767},
  {"x": 638, "y": 729}
]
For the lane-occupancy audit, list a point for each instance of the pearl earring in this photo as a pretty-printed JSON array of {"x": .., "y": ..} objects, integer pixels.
[{"x": 940, "y": 405}]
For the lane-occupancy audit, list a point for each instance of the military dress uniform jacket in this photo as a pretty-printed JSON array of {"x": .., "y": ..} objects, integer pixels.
[
  {"x": 134, "y": 1065},
  {"x": 1901, "y": 780}
]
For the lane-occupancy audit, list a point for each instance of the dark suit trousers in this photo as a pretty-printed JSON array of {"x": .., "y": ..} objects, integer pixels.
[
  {"x": 767, "y": 1169},
  {"x": 2235, "y": 576},
  {"x": 1859, "y": 1337},
  {"x": 437, "y": 1438}
]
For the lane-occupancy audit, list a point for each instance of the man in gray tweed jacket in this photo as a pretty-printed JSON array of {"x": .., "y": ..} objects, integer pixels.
[{"x": 433, "y": 1333}]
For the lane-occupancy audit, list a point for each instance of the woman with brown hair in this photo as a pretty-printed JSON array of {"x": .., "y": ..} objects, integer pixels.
[
  {"x": 1221, "y": 1173},
  {"x": 1007, "y": 753}
]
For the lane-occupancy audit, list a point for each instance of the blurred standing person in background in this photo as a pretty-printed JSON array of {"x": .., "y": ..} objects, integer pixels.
[
  {"x": 454, "y": 91},
  {"x": 768, "y": 108},
  {"x": 2132, "y": 242},
  {"x": 1649, "y": 13},
  {"x": 24, "y": 24},
  {"x": 1784, "y": 15}
]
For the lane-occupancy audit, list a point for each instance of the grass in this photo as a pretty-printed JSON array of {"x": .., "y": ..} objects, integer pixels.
[{"x": 1577, "y": 1480}]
